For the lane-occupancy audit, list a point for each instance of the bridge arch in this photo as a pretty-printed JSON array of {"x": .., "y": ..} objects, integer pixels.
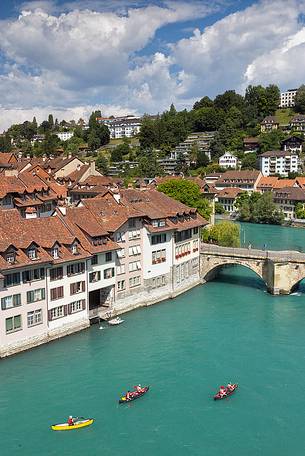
[{"x": 211, "y": 266}]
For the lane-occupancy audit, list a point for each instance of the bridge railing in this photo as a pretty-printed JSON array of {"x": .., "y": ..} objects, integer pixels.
[{"x": 275, "y": 255}]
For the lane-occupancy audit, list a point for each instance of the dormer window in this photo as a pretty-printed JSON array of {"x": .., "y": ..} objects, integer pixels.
[
  {"x": 55, "y": 253},
  {"x": 74, "y": 249},
  {"x": 32, "y": 253},
  {"x": 11, "y": 257}
]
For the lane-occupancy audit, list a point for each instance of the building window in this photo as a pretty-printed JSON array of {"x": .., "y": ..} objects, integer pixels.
[
  {"x": 35, "y": 295},
  {"x": 108, "y": 273},
  {"x": 120, "y": 237},
  {"x": 34, "y": 318},
  {"x": 120, "y": 269},
  {"x": 134, "y": 250},
  {"x": 33, "y": 274},
  {"x": 158, "y": 256},
  {"x": 56, "y": 273},
  {"x": 121, "y": 253},
  {"x": 77, "y": 306},
  {"x": 94, "y": 276},
  {"x": 121, "y": 285},
  {"x": 55, "y": 253},
  {"x": 134, "y": 281},
  {"x": 74, "y": 249},
  {"x": 94, "y": 260},
  {"x": 131, "y": 223},
  {"x": 57, "y": 293},
  {"x": 134, "y": 266},
  {"x": 159, "y": 222},
  {"x": 134, "y": 234},
  {"x": 32, "y": 254},
  {"x": 12, "y": 279},
  {"x": 75, "y": 268},
  {"x": 11, "y": 257},
  {"x": 108, "y": 256},
  {"x": 158, "y": 239},
  {"x": 195, "y": 230},
  {"x": 77, "y": 287},
  {"x": 8, "y": 302},
  {"x": 57, "y": 312},
  {"x": 13, "y": 324}
]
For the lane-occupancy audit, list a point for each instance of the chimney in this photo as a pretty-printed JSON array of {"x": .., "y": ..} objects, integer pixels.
[{"x": 92, "y": 168}]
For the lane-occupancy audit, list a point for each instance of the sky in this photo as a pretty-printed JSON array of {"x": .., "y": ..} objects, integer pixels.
[{"x": 69, "y": 57}]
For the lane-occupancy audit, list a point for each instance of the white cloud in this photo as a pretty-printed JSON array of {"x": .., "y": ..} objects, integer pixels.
[
  {"x": 224, "y": 54},
  {"x": 12, "y": 115},
  {"x": 88, "y": 55}
]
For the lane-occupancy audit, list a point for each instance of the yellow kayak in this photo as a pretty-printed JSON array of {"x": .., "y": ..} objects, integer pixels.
[{"x": 77, "y": 425}]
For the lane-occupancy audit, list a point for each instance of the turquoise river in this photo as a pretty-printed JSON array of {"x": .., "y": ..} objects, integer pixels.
[{"x": 227, "y": 330}]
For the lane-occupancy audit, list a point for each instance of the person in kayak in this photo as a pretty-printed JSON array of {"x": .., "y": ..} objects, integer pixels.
[
  {"x": 70, "y": 421},
  {"x": 230, "y": 387},
  {"x": 139, "y": 389},
  {"x": 222, "y": 391},
  {"x": 128, "y": 395}
]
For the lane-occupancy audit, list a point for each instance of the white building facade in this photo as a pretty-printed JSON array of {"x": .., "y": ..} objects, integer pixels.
[
  {"x": 279, "y": 162},
  {"x": 228, "y": 160},
  {"x": 287, "y": 98}
]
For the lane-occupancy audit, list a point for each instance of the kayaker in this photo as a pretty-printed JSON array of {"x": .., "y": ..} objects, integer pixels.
[
  {"x": 138, "y": 389},
  {"x": 128, "y": 395},
  {"x": 70, "y": 421},
  {"x": 230, "y": 386},
  {"x": 222, "y": 391}
]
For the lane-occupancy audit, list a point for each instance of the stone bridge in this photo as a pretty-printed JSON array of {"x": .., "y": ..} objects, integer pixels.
[{"x": 280, "y": 270}]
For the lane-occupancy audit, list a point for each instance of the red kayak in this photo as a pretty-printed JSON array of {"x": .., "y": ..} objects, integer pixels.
[
  {"x": 228, "y": 392},
  {"x": 133, "y": 395}
]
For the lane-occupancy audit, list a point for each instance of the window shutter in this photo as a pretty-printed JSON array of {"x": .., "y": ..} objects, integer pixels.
[
  {"x": 72, "y": 288},
  {"x": 69, "y": 309},
  {"x": 50, "y": 315},
  {"x": 65, "y": 310},
  {"x": 83, "y": 286},
  {"x": 84, "y": 304},
  {"x": 43, "y": 293}
]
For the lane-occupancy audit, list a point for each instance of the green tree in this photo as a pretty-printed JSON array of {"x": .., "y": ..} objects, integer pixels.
[
  {"x": 119, "y": 151},
  {"x": 258, "y": 208},
  {"x": 51, "y": 121},
  {"x": 229, "y": 99},
  {"x": 249, "y": 161},
  {"x": 202, "y": 159},
  {"x": 271, "y": 140},
  {"x": 205, "y": 102},
  {"x": 5, "y": 143},
  {"x": 300, "y": 211},
  {"x": 207, "y": 119},
  {"x": 300, "y": 100},
  {"x": 187, "y": 192},
  {"x": 148, "y": 165},
  {"x": 102, "y": 164},
  {"x": 226, "y": 234}
]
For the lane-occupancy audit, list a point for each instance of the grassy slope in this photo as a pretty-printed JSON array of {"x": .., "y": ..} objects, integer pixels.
[{"x": 284, "y": 115}]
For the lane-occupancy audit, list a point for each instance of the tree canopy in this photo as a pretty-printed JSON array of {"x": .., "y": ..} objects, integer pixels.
[
  {"x": 224, "y": 233},
  {"x": 258, "y": 208},
  {"x": 187, "y": 192}
]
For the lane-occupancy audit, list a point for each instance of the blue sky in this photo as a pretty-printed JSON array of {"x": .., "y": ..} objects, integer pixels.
[{"x": 69, "y": 56}]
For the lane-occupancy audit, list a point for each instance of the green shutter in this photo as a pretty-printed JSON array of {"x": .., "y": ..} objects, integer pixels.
[
  {"x": 43, "y": 293},
  {"x": 29, "y": 297}
]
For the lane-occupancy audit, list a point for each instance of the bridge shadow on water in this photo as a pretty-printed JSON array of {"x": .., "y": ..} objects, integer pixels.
[{"x": 241, "y": 276}]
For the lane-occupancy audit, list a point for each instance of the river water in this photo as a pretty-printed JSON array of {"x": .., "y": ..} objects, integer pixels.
[{"x": 227, "y": 330}]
